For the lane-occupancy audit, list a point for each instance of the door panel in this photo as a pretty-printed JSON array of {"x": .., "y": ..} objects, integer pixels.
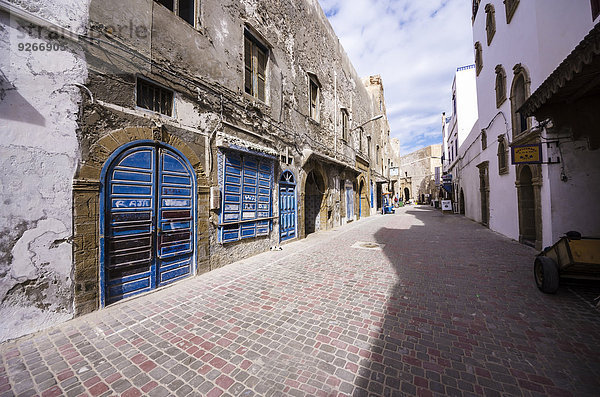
[
  {"x": 287, "y": 211},
  {"x": 150, "y": 223},
  {"x": 129, "y": 265},
  {"x": 175, "y": 233}
]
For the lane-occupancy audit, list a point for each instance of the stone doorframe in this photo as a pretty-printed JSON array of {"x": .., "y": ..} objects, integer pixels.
[
  {"x": 303, "y": 175},
  {"x": 536, "y": 181},
  {"x": 484, "y": 191},
  {"x": 359, "y": 193},
  {"x": 86, "y": 210}
]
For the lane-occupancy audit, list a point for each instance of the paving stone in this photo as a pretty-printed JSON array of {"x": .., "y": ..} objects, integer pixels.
[{"x": 445, "y": 307}]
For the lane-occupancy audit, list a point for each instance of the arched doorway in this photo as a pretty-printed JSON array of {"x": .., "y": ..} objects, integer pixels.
[
  {"x": 313, "y": 198},
  {"x": 462, "y": 202},
  {"x": 406, "y": 194},
  {"x": 363, "y": 202},
  {"x": 527, "y": 218},
  {"x": 147, "y": 219},
  {"x": 287, "y": 206},
  {"x": 484, "y": 191}
]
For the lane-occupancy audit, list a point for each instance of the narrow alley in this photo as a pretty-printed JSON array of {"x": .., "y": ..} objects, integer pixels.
[{"x": 414, "y": 303}]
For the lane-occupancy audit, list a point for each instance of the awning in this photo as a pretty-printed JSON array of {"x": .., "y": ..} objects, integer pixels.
[
  {"x": 308, "y": 154},
  {"x": 570, "y": 96},
  {"x": 232, "y": 142}
]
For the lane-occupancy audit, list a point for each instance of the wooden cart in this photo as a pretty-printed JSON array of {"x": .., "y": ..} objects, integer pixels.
[{"x": 572, "y": 256}]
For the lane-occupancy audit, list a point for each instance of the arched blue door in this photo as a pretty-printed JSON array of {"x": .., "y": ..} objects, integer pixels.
[
  {"x": 149, "y": 221},
  {"x": 287, "y": 206}
]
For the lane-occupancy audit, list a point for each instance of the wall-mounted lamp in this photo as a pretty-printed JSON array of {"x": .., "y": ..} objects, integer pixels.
[{"x": 368, "y": 121}]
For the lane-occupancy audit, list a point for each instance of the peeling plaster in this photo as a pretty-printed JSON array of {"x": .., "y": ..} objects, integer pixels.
[{"x": 39, "y": 246}]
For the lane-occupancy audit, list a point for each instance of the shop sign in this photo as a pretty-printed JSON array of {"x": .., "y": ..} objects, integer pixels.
[
  {"x": 446, "y": 205},
  {"x": 527, "y": 154}
]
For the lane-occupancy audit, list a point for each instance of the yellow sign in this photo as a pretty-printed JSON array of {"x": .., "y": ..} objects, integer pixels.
[{"x": 527, "y": 154}]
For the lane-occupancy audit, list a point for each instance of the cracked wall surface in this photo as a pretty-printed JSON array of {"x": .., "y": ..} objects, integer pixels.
[
  {"x": 68, "y": 111},
  {"x": 39, "y": 153}
]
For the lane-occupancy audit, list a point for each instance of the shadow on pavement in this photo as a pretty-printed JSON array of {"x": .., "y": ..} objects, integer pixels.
[{"x": 465, "y": 318}]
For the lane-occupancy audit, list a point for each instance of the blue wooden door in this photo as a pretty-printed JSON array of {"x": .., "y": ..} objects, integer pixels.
[
  {"x": 149, "y": 233},
  {"x": 287, "y": 206},
  {"x": 349, "y": 203}
]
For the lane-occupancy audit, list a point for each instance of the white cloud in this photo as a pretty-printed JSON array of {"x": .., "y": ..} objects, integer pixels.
[{"x": 416, "y": 47}]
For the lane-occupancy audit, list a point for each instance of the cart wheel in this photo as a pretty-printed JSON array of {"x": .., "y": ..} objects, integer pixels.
[{"x": 546, "y": 274}]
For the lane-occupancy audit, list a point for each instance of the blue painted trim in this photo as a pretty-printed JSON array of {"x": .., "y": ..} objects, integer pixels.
[{"x": 285, "y": 183}]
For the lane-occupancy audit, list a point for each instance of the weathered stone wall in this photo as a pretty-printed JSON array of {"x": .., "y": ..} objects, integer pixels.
[
  {"x": 60, "y": 134},
  {"x": 38, "y": 158},
  {"x": 417, "y": 171},
  {"x": 205, "y": 65}
]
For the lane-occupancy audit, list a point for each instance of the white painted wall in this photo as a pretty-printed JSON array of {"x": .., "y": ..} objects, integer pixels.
[
  {"x": 38, "y": 157},
  {"x": 466, "y": 102},
  {"x": 540, "y": 35},
  {"x": 575, "y": 202},
  {"x": 467, "y": 174}
]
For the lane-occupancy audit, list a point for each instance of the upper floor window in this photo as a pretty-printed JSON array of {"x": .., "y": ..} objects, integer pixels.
[
  {"x": 518, "y": 94},
  {"x": 483, "y": 140},
  {"x": 475, "y": 8},
  {"x": 313, "y": 96},
  {"x": 500, "y": 85},
  {"x": 154, "y": 97},
  {"x": 184, "y": 8},
  {"x": 502, "y": 156},
  {"x": 478, "y": 58},
  {"x": 595, "y": 9},
  {"x": 369, "y": 147},
  {"x": 344, "y": 124},
  {"x": 360, "y": 139},
  {"x": 454, "y": 104},
  {"x": 255, "y": 66},
  {"x": 490, "y": 22},
  {"x": 510, "y": 6}
]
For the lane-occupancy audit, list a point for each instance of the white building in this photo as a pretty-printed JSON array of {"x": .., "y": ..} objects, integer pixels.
[
  {"x": 455, "y": 132},
  {"x": 517, "y": 46}
]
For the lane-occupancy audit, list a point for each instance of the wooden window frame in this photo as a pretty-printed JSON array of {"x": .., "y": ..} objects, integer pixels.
[
  {"x": 595, "y": 9},
  {"x": 510, "y": 7},
  {"x": 490, "y": 22},
  {"x": 517, "y": 121},
  {"x": 478, "y": 58},
  {"x": 345, "y": 118},
  {"x": 176, "y": 8},
  {"x": 500, "y": 85},
  {"x": 475, "y": 8},
  {"x": 314, "y": 94},
  {"x": 256, "y": 57},
  {"x": 502, "y": 156},
  {"x": 483, "y": 140}
]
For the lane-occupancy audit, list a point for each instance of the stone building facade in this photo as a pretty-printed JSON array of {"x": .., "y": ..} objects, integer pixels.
[
  {"x": 156, "y": 140},
  {"x": 417, "y": 171}
]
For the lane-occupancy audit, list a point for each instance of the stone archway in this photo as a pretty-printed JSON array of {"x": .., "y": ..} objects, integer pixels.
[
  {"x": 528, "y": 185},
  {"x": 406, "y": 194},
  {"x": 86, "y": 209},
  {"x": 314, "y": 199},
  {"x": 462, "y": 202}
]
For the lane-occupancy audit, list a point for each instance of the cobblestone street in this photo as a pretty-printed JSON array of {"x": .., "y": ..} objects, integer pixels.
[{"x": 416, "y": 303}]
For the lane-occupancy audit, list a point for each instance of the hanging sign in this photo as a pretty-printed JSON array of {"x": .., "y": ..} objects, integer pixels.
[{"x": 527, "y": 154}]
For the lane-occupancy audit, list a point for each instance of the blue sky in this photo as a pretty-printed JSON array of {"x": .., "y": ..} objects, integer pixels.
[{"x": 416, "y": 46}]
